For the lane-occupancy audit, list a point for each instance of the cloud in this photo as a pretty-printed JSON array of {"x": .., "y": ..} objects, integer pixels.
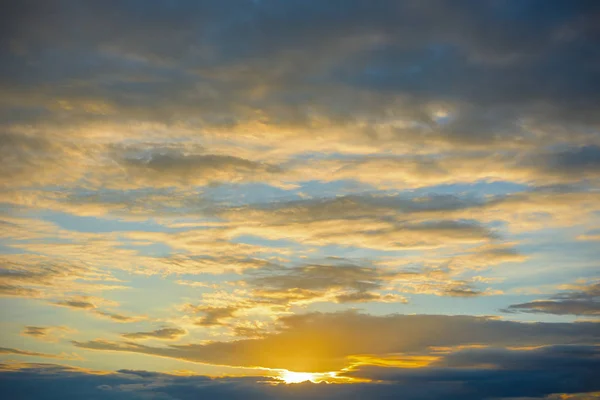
[
  {"x": 195, "y": 250},
  {"x": 86, "y": 305},
  {"x": 91, "y": 304},
  {"x": 498, "y": 372},
  {"x": 28, "y": 274},
  {"x": 571, "y": 379},
  {"x": 46, "y": 333},
  {"x": 18, "y": 291},
  {"x": 341, "y": 282},
  {"x": 18, "y": 352},
  {"x": 364, "y": 297},
  {"x": 377, "y": 223},
  {"x": 32, "y": 159},
  {"x": 580, "y": 300},
  {"x": 35, "y": 331},
  {"x": 591, "y": 235},
  {"x": 309, "y": 79},
  {"x": 44, "y": 276},
  {"x": 120, "y": 317},
  {"x": 409, "y": 171},
  {"x": 582, "y": 161},
  {"x": 323, "y": 277},
  {"x": 214, "y": 315},
  {"x": 184, "y": 130},
  {"x": 163, "y": 334},
  {"x": 323, "y": 342},
  {"x": 170, "y": 167}
]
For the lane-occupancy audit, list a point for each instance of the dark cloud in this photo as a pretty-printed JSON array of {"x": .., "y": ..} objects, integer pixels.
[
  {"x": 385, "y": 223},
  {"x": 296, "y": 77},
  {"x": 31, "y": 158},
  {"x": 356, "y": 207},
  {"x": 352, "y": 283},
  {"x": 578, "y": 160},
  {"x": 86, "y": 305},
  {"x": 163, "y": 333},
  {"x": 214, "y": 315},
  {"x": 24, "y": 277},
  {"x": 461, "y": 290},
  {"x": 525, "y": 376},
  {"x": 35, "y": 331},
  {"x": 18, "y": 291},
  {"x": 564, "y": 307},
  {"x": 497, "y": 372},
  {"x": 118, "y": 317},
  {"x": 168, "y": 167},
  {"x": 323, "y": 342},
  {"x": 18, "y": 352},
  {"x": 497, "y": 62},
  {"x": 50, "y": 334},
  {"x": 365, "y": 297},
  {"x": 92, "y": 304},
  {"x": 337, "y": 280},
  {"x": 585, "y": 300},
  {"x": 570, "y": 164},
  {"x": 39, "y": 276}
]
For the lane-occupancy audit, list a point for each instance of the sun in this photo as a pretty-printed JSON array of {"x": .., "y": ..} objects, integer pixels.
[
  {"x": 289, "y": 377},
  {"x": 297, "y": 377}
]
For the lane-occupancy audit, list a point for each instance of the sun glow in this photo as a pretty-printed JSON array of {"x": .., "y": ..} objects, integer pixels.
[
  {"x": 315, "y": 377},
  {"x": 297, "y": 377}
]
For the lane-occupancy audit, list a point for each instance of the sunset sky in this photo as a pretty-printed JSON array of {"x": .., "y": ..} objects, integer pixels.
[{"x": 298, "y": 199}]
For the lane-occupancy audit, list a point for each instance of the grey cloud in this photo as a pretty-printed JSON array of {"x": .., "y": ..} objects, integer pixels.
[
  {"x": 322, "y": 342},
  {"x": 35, "y": 331},
  {"x": 46, "y": 333},
  {"x": 91, "y": 305},
  {"x": 44, "y": 272},
  {"x": 571, "y": 164},
  {"x": 119, "y": 317},
  {"x": 18, "y": 291},
  {"x": 170, "y": 167},
  {"x": 364, "y": 297},
  {"x": 557, "y": 355},
  {"x": 18, "y": 352},
  {"x": 585, "y": 300},
  {"x": 163, "y": 333},
  {"x": 577, "y": 160},
  {"x": 86, "y": 305},
  {"x": 319, "y": 277},
  {"x": 26, "y": 276},
  {"x": 381, "y": 223},
  {"x": 461, "y": 291},
  {"x": 498, "y": 372},
  {"x": 564, "y": 307},
  {"x": 365, "y": 75},
  {"x": 30, "y": 158},
  {"x": 570, "y": 379},
  {"x": 214, "y": 315},
  {"x": 358, "y": 206},
  {"x": 594, "y": 234},
  {"x": 207, "y": 60},
  {"x": 347, "y": 283}
]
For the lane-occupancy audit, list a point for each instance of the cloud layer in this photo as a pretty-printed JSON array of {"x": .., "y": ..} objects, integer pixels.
[{"x": 399, "y": 196}]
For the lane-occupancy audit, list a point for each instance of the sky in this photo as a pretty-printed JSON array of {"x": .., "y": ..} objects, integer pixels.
[{"x": 300, "y": 199}]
